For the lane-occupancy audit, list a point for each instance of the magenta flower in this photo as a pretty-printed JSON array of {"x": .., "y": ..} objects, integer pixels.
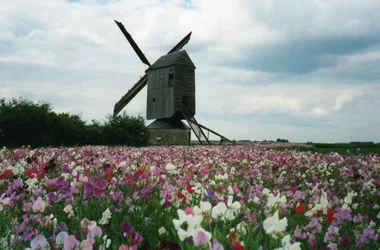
[{"x": 136, "y": 239}]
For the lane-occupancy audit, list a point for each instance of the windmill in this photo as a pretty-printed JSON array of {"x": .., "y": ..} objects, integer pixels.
[{"x": 171, "y": 95}]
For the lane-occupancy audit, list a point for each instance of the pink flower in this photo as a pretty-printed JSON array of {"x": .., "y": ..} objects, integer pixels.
[
  {"x": 69, "y": 242},
  {"x": 94, "y": 232},
  {"x": 38, "y": 205},
  {"x": 189, "y": 210},
  {"x": 201, "y": 239},
  {"x": 125, "y": 247},
  {"x": 87, "y": 244}
]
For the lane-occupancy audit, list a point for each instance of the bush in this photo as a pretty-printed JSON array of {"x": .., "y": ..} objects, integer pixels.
[
  {"x": 126, "y": 130},
  {"x": 23, "y": 122}
]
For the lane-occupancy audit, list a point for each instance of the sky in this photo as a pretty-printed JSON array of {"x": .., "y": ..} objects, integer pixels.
[{"x": 305, "y": 70}]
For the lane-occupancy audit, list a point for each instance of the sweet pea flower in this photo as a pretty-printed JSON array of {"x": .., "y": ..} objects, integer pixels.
[
  {"x": 106, "y": 216},
  {"x": 286, "y": 245},
  {"x": 273, "y": 200},
  {"x": 228, "y": 211},
  {"x": 216, "y": 245},
  {"x": 273, "y": 225},
  {"x": 69, "y": 242},
  {"x": 87, "y": 244},
  {"x": 201, "y": 237},
  {"x": 39, "y": 205},
  {"x": 39, "y": 242},
  {"x": 204, "y": 207},
  {"x": 61, "y": 237},
  {"x": 125, "y": 247},
  {"x": 218, "y": 210},
  {"x": 193, "y": 222}
]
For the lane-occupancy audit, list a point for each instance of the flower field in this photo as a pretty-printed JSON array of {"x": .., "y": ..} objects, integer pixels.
[{"x": 220, "y": 197}]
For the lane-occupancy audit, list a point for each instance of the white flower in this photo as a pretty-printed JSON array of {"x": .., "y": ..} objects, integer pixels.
[
  {"x": 162, "y": 230},
  {"x": 221, "y": 177},
  {"x": 193, "y": 222},
  {"x": 256, "y": 200},
  {"x": 228, "y": 211},
  {"x": 242, "y": 228},
  {"x": 273, "y": 225},
  {"x": 266, "y": 191},
  {"x": 170, "y": 167},
  {"x": 273, "y": 200},
  {"x": 204, "y": 207},
  {"x": 106, "y": 216},
  {"x": 233, "y": 208},
  {"x": 287, "y": 245},
  {"x": 32, "y": 183},
  {"x": 218, "y": 210}
]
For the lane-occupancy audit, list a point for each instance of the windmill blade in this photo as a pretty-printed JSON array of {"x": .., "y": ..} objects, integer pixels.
[
  {"x": 144, "y": 80},
  {"x": 130, "y": 95},
  {"x": 133, "y": 44},
  {"x": 182, "y": 43}
]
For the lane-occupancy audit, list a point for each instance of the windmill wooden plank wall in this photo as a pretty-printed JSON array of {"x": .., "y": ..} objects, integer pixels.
[{"x": 171, "y": 84}]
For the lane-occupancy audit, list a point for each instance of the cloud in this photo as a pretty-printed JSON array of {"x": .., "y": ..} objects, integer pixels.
[{"x": 302, "y": 70}]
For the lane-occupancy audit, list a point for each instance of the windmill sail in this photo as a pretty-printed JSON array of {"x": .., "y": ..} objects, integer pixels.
[
  {"x": 182, "y": 43},
  {"x": 130, "y": 95},
  {"x": 133, "y": 44}
]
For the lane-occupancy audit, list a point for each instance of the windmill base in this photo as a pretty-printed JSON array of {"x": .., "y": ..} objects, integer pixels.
[{"x": 170, "y": 131}]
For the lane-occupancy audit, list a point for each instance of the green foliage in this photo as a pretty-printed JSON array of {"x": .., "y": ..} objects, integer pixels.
[
  {"x": 126, "y": 130},
  {"x": 23, "y": 122}
]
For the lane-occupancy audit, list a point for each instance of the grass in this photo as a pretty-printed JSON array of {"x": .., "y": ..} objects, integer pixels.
[{"x": 347, "y": 148}]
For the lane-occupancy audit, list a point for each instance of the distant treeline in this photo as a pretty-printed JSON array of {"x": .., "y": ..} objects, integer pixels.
[{"x": 23, "y": 122}]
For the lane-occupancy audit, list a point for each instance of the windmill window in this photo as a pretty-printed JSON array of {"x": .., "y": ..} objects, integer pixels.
[
  {"x": 154, "y": 99},
  {"x": 171, "y": 80}
]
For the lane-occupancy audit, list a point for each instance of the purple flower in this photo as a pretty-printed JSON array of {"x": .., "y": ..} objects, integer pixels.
[
  {"x": 357, "y": 218},
  {"x": 126, "y": 228},
  {"x": 145, "y": 192},
  {"x": 332, "y": 231},
  {"x": 88, "y": 189},
  {"x": 298, "y": 233},
  {"x": 344, "y": 240},
  {"x": 314, "y": 223},
  {"x": 52, "y": 198},
  {"x": 211, "y": 193},
  {"x": 216, "y": 245},
  {"x": 342, "y": 215},
  {"x": 298, "y": 195},
  {"x": 39, "y": 242}
]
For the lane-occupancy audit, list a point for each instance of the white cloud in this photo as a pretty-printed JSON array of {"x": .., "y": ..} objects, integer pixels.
[{"x": 74, "y": 56}]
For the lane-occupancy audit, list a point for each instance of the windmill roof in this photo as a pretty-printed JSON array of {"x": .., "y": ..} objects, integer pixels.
[
  {"x": 168, "y": 123},
  {"x": 168, "y": 60}
]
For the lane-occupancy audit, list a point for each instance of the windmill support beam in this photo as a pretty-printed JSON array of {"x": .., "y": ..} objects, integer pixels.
[{"x": 215, "y": 133}]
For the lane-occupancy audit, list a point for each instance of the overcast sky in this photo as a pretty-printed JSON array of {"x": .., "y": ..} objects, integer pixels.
[{"x": 305, "y": 70}]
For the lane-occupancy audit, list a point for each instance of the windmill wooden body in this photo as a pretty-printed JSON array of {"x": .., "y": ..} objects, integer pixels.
[{"x": 170, "y": 95}]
